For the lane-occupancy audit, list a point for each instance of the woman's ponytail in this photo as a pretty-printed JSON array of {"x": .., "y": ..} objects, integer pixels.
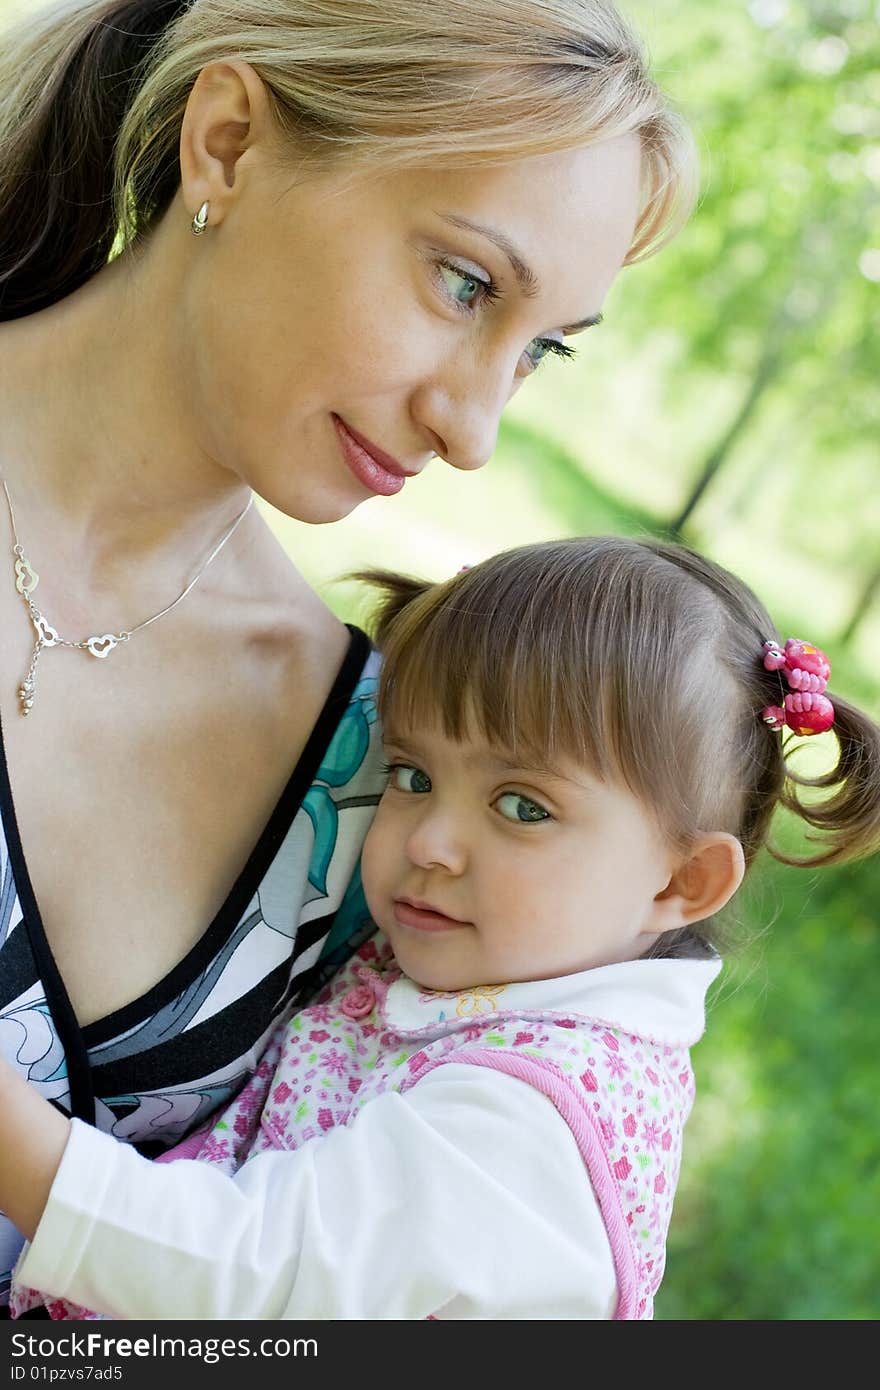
[
  {"x": 848, "y": 820},
  {"x": 67, "y": 77}
]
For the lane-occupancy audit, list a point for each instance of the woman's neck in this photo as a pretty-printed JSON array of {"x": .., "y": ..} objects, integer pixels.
[{"x": 100, "y": 446}]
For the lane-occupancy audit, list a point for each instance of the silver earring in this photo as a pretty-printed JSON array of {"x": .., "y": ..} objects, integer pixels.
[{"x": 200, "y": 221}]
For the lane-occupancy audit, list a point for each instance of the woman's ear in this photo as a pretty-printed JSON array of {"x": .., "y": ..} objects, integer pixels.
[
  {"x": 228, "y": 114},
  {"x": 700, "y": 885}
]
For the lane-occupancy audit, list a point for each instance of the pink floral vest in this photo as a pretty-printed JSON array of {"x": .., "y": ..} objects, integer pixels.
[{"x": 624, "y": 1098}]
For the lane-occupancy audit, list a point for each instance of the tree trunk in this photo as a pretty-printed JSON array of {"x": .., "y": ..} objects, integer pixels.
[
  {"x": 779, "y": 332},
  {"x": 768, "y": 369},
  {"x": 862, "y": 606}
]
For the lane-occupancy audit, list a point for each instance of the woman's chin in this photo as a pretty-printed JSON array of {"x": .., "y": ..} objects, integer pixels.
[{"x": 320, "y": 509}]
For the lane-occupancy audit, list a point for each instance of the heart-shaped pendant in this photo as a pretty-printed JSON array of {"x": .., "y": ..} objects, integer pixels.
[
  {"x": 26, "y": 579},
  {"x": 102, "y": 646},
  {"x": 45, "y": 631}
]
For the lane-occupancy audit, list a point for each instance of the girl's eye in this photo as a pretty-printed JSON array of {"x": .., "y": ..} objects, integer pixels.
[
  {"x": 514, "y": 806},
  {"x": 405, "y": 778},
  {"x": 539, "y": 348},
  {"x": 466, "y": 289}
]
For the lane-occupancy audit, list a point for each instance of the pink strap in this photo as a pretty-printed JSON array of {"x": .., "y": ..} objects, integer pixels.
[{"x": 546, "y": 1077}]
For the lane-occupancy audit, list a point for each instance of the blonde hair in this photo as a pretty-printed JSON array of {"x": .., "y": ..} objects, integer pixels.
[{"x": 392, "y": 82}]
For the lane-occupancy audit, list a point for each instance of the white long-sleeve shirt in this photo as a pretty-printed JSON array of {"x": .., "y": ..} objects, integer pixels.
[{"x": 464, "y": 1197}]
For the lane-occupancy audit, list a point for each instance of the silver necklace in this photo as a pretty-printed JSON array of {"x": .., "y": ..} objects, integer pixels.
[{"x": 27, "y": 579}]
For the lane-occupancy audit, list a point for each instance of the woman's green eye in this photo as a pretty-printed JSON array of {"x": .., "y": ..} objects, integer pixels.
[
  {"x": 515, "y": 806},
  {"x": 409, "y": 779},
  {"x": 463, "y": 288},
  {"x": 537, "y": 350}
]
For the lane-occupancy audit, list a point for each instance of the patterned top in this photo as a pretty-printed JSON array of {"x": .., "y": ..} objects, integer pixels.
[
  {"x": 153, "y": 1070},
  {"x": 609, "y": 1048},
  {"x": 625, "y": 1098}
]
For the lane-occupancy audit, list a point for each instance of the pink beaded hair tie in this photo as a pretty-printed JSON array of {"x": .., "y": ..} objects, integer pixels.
[{"x": 808, "y": 710}]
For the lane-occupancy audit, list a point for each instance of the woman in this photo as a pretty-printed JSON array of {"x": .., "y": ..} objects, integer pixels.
[{"x": 345, "y": 233}]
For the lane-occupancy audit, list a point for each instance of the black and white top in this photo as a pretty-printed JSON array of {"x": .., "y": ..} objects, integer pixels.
[{"x": 152, "y": 1070}]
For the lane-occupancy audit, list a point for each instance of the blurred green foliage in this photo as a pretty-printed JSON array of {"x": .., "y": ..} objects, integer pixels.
[
  {"x": 776, "y": 290},
  {"x": 778, "y": 1212}
]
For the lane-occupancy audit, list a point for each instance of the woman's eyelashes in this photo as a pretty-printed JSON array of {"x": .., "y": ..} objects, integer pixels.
[
  {"x": 465, "y": 288},
  {"x": 539, "y": 348},
  {"x": 469, "y": 291}
]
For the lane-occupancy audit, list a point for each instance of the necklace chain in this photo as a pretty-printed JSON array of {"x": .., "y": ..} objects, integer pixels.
[{"x": 27, "y": 579}]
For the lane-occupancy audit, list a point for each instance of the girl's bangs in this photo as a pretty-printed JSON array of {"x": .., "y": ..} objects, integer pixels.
[{"x": 497, "y": 655}]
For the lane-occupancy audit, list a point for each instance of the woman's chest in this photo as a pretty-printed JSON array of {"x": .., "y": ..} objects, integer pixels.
[{"x": 139, "y": 792}]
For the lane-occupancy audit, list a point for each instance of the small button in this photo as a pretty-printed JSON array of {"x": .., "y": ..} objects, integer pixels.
[{"x": 359, "y": 1002}]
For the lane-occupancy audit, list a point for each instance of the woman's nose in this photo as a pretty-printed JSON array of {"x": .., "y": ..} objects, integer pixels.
[
  {"x": 461, "y": 409},
  {"x": 436, "y": 841}
]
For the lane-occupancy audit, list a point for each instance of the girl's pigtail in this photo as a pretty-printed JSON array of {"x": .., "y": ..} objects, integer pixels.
[
  {"x": 67, "y": 77},
  {"x": 849, "y": 819},
  {"x": 396, "y": 593}
]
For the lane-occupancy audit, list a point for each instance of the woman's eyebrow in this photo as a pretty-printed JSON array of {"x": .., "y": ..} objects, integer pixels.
[{"x": 525, "y": 276}]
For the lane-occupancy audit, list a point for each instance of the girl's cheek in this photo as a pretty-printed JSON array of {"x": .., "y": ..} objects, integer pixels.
[{"x": 371, "y": 860}]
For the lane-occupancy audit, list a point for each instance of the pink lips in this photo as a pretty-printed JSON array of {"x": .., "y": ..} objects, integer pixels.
[
  {"x": 424, "y": 918},
  {"x": 371, "y": 466}
]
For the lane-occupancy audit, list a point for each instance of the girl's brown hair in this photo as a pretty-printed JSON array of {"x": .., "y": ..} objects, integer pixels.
[
  {"x": 92, "y": 96},
  {"x": 642, "y": 661}
]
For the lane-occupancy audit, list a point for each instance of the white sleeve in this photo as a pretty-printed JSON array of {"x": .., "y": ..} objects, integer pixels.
[{"x": 466, "y": 1197}]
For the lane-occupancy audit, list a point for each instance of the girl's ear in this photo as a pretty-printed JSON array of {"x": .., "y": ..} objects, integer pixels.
[{"x": 700, "y": 885}]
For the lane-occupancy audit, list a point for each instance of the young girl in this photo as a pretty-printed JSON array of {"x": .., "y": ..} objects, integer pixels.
[{"x": 482, "y": 1116}]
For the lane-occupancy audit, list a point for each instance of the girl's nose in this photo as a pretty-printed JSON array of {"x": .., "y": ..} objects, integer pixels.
[{"x": 437, "y": 842}]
